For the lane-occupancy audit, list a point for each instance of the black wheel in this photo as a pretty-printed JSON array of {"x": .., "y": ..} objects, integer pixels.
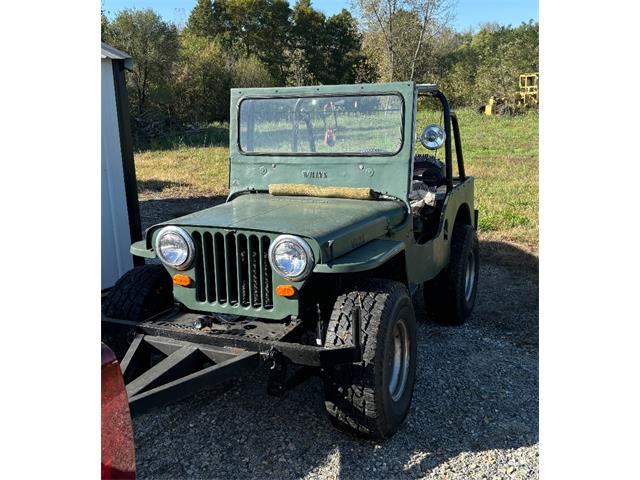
[
  {"x": 371, "y": 399},
  {"x": 450, "y": 297},
  {"x": 140, "y": 293}
]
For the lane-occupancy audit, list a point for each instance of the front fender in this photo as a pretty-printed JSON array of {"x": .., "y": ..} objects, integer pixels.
[{"x": 367, "y": 257}]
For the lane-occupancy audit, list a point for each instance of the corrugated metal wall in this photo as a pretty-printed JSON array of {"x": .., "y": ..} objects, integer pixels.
[{"x": 116, "y": 237}]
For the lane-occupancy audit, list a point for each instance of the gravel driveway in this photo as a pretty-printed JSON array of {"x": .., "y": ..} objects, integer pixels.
[{"x": 474, "y": 412}]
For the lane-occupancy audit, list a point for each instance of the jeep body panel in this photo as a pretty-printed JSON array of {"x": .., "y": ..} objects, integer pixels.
[
  {"x": 385, "y": 173},
  {"x": 367, "y": 257},
  {"x": 345, "y": 235},
  {"x": 335, "y": 225},
  {"x": 331, "y": 226},
  {"x": 425, "y": 261}
]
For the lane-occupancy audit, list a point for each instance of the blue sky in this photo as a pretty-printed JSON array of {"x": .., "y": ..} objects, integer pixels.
[{"x": 470, "y": 13}]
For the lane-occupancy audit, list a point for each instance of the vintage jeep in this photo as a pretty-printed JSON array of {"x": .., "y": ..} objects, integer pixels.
[{"x": 332, "y": 224}]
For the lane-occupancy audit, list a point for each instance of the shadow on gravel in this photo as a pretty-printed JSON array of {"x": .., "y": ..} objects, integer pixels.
[
  {"x": 156, "y": 186},
  {"x": 476, "y": 393},
  {"x": 154, "y": 211}
]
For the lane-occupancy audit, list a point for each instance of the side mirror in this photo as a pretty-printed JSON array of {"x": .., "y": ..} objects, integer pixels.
[{"x": 433, "y": 137}]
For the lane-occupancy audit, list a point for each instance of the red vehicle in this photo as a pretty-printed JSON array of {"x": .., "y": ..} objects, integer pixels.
[{"x": 118, "y": 454}]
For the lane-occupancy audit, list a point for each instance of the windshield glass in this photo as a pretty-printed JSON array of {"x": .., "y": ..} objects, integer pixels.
[{"x": 322, "y": 125}]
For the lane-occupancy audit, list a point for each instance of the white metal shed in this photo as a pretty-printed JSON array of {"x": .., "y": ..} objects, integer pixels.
[{"x": 120, "y": 211}]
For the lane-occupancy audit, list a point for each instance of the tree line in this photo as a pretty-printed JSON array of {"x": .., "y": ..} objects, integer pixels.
[{"x": 186, "y": 72}]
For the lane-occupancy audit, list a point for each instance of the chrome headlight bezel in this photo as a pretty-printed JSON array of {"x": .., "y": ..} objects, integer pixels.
[
  {"x": 310, "y": 259},
  {"x": 433, "y": 137},
  {"x": 191, "y": 249}
]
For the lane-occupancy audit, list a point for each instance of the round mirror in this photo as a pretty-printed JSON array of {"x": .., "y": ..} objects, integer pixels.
[{"x": 432, "y": 137}]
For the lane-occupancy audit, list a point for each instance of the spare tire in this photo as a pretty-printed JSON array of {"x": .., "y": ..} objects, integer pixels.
[{"x": 429, "y": 169}]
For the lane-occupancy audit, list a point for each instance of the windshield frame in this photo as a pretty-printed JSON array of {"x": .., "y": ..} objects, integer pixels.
[{"x": 325, "y": 154}]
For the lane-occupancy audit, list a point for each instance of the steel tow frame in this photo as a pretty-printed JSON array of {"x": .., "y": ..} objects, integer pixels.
[
  {"x": 187, "y": 368},
  {"x": 167, "y": 360}
]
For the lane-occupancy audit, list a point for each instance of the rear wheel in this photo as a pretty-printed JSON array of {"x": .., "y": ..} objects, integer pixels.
[
  {"x": 371, "y": 399},
  {"x": 450, "y": 297}
]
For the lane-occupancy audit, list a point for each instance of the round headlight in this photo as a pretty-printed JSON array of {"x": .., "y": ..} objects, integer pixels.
[
  {"x": 291, "y": 257},
  {"x": 433, "y": 136},
  {"x": 175, "y": 247}
]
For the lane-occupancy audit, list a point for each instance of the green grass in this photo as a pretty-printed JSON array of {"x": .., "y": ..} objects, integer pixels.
[
  {"x": 500, "y": 152},
  {"x": 185, "y": 166}
]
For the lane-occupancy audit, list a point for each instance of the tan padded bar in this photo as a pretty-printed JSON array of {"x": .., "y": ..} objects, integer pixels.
[{"x": 304, "y": 190}]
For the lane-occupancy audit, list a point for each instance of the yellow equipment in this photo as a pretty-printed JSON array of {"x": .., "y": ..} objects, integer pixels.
[
  {"x": 526, "y": 98},
  {"x": 489, "y": 108},
  {"x": 529, "y": 89}
]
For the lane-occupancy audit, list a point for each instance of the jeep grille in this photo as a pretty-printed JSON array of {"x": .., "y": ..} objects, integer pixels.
[{"x": 233, "y": 268}]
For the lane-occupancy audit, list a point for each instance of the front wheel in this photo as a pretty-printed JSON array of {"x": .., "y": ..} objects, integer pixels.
[
  {"x": 371, "y": 399},
  {"x": 139, "y": 294}
]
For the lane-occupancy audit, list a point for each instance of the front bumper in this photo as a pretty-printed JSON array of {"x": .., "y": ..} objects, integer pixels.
[{"x": 246, "y": 334}]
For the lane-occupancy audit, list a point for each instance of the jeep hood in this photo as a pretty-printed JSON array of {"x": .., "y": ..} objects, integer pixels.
[{"x": 337, "y": 225}]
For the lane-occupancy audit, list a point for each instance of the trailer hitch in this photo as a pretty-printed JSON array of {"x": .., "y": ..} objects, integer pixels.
[
  {"x": 276, "y": 362},
  {"x": 278, "y": 382}
]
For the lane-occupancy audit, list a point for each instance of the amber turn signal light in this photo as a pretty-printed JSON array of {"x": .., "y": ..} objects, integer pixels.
[
  {"x": 285, "y": 290},
  {"x": 182, "y": 280}
]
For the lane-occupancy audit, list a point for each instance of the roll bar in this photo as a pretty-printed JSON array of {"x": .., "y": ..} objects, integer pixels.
[{"x": 450, "y": 120}]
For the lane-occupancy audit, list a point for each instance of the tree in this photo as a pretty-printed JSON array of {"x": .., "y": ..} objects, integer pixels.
[
  {"x": 202, "y": 80},
  {"x": 255, "y": 27},
  {"x": 205, "y": 74},
  {"x": 298, "y": 71},
  {"x": 489, "y": 62},
  {"x": 343, "y": 50},
  {"x": 387, "y": 17},
  {"x": 154, "y": 45},
  {"x": 308, "y": 37},
  {"x": 201, "y": 20},
  {"x": 104, "y": 26},
  {"x": 324, "y": 50}
]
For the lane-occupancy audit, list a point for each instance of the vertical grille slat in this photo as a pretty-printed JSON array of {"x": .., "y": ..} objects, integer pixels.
[
  {"x": 220, "y": 268},
  {"x": 261, "y": 269},
  {"x": 267, "y": 286},
  {"x": 209, "y": 269},
  {"x": 230, "y": 265},
  {"x": 233, "y": 269},
  {"x": 199, "y": 268},
  {"x": 243, "y": 270},
  {"x": 254, "y": 268}
]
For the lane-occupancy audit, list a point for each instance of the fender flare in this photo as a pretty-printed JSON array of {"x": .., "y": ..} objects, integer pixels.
[{"x": 366, "y": 257}]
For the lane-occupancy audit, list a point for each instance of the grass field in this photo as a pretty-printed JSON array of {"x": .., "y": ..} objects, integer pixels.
[{"x": 500, "y": 152}]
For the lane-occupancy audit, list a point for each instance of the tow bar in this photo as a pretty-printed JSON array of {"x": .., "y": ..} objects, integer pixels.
[{"x": 176, "y": 354}]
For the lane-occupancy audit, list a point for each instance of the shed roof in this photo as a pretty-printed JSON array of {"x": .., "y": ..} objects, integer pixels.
[{"x": 107, "y": 51}]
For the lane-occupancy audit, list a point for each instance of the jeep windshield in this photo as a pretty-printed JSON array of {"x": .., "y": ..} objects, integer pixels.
[{"x": 322, "y": 125}]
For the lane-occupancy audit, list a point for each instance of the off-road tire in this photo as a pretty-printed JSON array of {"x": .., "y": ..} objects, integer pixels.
[
  {"x": 445, "y": 300},
  {"x": 357, "y": 396},
  {"x": 139, "y": 294}
]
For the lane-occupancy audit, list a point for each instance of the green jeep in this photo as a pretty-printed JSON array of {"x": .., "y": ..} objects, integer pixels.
[{"x": 332, "y": 225}]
